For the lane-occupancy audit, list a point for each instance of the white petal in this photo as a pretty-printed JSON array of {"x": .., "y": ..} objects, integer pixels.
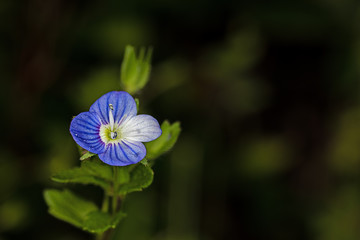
[{"x": 140, "y": 128}]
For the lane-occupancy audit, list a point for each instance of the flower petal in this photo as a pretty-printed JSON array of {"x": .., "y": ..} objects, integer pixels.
[
  {"x": 141, "y": 128},
  {"x": 84, "y": 128},
  {"x": 123, "y": 153},
  {"x": 123, "y": 104}
]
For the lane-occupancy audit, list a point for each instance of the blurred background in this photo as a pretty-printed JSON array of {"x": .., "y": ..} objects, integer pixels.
[{"x": 267, "y": 93}]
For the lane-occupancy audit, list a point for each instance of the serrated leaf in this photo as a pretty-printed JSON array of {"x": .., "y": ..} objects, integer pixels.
[
  {"x": 87, "y": 155},
  {"x": 92, "y": 171},
  {"x": 141, "y": 176},
  {"x": 79, "y": 175},
  {"x": 68, "y": 207},
  {"x": 98, "y": 221},
  {"x": 165, "y": 142},
  {"x": 79, "y": 212}
]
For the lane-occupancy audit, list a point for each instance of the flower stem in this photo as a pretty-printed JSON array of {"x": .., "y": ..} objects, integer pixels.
[
  {"x": 105, "y": 203},
  {"x": 115, "y": 190}
]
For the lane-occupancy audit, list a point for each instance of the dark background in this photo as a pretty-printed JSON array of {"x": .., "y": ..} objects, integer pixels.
[{"x": 267, "y": 93}]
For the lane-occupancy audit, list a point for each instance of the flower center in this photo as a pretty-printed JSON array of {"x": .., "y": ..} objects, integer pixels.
[
  {"x": 110, "y": 133},
  {"x": 113, "y": 135}
]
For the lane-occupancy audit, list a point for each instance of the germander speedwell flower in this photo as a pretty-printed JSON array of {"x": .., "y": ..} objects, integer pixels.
[{"x": 112, "y": 129}]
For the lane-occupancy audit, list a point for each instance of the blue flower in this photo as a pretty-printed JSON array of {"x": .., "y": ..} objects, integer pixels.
[{"x": 112, "y": 129}]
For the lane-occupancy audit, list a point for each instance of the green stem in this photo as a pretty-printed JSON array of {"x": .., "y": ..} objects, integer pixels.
[
  {"x": 105, "y": 203},
  {"x": 104, "y": 208},
  {"x": 115, "y": 190}
]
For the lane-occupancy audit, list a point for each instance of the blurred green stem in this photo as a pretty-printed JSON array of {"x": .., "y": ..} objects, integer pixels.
[{"x": 105, "y": 203}]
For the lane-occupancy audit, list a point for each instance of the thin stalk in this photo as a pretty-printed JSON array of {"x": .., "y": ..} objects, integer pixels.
[
  {"x": 104, "y": 208},
  {"x": 115, "y": 189},
  {"x": 105, "y": 203}
]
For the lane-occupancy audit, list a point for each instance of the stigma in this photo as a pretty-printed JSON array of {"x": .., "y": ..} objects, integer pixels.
[
  {"x": 113, "y": 135},
  {"x": 111, "y": 118}
]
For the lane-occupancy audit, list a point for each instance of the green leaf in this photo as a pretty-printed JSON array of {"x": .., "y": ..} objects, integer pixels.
[
  {"x": 79, "y": 212},
  {"x": 92, "y": 171},
  {"x": 135, "y": 71},
  {"x": 79, "y": 175},
  {"x": 123, "y": 175},
  {"x": 140, "y": 177},
  {"x": 97, "y": 168},
  {"x": 165, "y": 142},
  {"x": 98, "y": 222},
  {"x": 87, "y": 155},
  {"x": 68, "y": 207},
  {"x": 117, "y": 218}
]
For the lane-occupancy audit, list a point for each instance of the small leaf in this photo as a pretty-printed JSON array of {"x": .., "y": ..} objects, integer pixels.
[
  {"x": 135, "y": 71},
  {"x": 92, "y": 171},
  {"x": 145, "y": 162},
  {"x": 98, "y": 222},
  {"x": 79, "y": 212},
  {"x": 87, "y": 155},
  {"x": 79, "y": 175},
  {"x": 97, "y": 168},
  {"x": 141, "y": 176},
  {"x": 68, "y": 207},
  {"x": 165, "y": 142}
]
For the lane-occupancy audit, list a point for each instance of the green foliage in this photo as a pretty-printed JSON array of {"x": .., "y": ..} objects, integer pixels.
[
  {"x": 87, "y": 155},
  {"x": 92, "y": 171},
  {"x": 84, "y": 214},
  {"x": 135, "y": 71},
  {"x": 136, "y": 178},
  {"x": 79, "y": 212},
  {"x": 78, "y": 175},
  {"x": 98, "y": 222},
  {"x": 130, "y": 178},
  {"x": 97, "y": 168},
  {"x": 68, "y": 207},
  {"x": 165, "y": 142}
]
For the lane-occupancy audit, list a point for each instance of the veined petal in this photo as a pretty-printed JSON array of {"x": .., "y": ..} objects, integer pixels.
[
  {"x": 141, "y": 128},
  {"x": 123, "y": 153},
  {"x": 84, "y": 128},
  {"x": 122, "y": 102}
]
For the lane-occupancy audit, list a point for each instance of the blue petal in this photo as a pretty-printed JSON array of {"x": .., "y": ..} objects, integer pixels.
[
  {"x": 123, "y": 104},
  {"x": 123, "y": 153},
  {"x": 141, "y": 128},
  {"x": 84, "y": 128}
]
